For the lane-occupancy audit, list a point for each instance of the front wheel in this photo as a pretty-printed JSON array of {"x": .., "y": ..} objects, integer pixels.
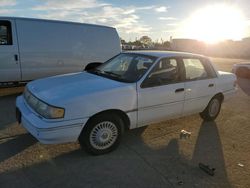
[
  {"x": 102, "y": 134},
  {"x": 212, "y": 110}
]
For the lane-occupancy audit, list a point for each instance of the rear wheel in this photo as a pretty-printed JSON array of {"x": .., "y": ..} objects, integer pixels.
[
  {"x": 212, "y": 110},
  {"x": 102, "y": 134}
]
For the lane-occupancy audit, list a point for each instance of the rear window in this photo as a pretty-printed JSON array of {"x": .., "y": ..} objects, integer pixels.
[
  {"x": 194, "y": 69},
  {"x": 5, "y": 33}
]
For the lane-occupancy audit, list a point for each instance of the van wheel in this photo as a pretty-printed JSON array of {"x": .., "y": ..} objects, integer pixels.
[
  {"x": 212, "y": 110},
  {"x": 102, "y": 134}
]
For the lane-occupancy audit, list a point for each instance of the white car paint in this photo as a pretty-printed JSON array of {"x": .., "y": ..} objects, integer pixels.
[
  {"x": 43, "y": 48},
  {"x": 83, "y": 95},
  {"x": 224, "y": 85},
  {"x": 159, "y": 103},
  {"x": 80, "y": 91},
  {"x": 198, "y": 94}
]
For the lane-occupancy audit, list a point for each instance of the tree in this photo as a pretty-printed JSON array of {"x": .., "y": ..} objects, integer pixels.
[
  {"x": 122, "y": 41},
  {"x": 146, "y": 40},
  {"x": 166, "y": 44},
  {"x": 137, "y": 43}
]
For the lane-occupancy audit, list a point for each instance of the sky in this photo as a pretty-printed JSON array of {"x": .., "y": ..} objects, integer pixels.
[{"x": 158, "y": 19}]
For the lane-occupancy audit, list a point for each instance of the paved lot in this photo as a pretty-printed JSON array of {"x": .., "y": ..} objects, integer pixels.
[{"x": 153, "y": 156}]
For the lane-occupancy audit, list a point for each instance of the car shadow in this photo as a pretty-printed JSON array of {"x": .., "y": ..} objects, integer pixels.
[
  {"x": 133, "y": 164},
  {"x": 10, "y": 146},
  {"x": 208, "y": 150},
  {"x": 177, "y": 169}
]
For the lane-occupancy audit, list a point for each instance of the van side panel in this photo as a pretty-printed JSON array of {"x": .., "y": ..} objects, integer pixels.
[
  {"x": 49, "y": 48},
  {"x": 9, "y": 55}
]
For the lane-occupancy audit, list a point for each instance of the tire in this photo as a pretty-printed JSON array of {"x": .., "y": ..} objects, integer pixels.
[
  {"x": 212, "y": 110},
  {"x": 102, "y": 134}
]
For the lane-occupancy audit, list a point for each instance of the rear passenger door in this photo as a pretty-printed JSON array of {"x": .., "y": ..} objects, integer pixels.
[
  {"x": 9, "y": 57},
  {"x": 200, "y": 84}
]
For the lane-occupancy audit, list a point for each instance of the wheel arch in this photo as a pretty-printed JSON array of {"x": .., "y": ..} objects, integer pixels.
[
  {"x": 117, "y": 112},
  {"x": 205, "y": 113},
  {"x": 220, "y": 95}
]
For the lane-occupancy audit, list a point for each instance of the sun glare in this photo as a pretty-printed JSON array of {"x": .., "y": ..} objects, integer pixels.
[{"x": 215, "y": 23}]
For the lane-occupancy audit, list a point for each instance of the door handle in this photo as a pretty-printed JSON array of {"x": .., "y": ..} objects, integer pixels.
[
  {"x": 16, "y": 57},
  {"x": 211, "y": 85},
  {"x": 179, "y": 90}
]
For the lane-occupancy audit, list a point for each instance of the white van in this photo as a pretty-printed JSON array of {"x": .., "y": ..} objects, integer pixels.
[{"x": 35, "y": 48}]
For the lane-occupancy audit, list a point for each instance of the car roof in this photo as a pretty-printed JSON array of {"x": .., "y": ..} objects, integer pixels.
[
  {"x": 52, "y": 21},
  {"x": 161, "y": 54}
]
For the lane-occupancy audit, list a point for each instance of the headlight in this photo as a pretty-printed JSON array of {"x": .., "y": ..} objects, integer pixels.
[
  {"x": 42, "y": 108},
  {"x": 49, "y": 112}
]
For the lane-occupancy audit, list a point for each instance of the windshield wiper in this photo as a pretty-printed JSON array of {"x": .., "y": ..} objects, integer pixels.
[
  {"x": 95, "y": 71},
  {"x": 108, "y": 74},
  {"x": 112, "y": 74}
]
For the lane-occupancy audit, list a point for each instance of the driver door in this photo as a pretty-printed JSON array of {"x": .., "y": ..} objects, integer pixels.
[
  {"x": 161, "y": 94},
  {"x": 9, "y": 58}
]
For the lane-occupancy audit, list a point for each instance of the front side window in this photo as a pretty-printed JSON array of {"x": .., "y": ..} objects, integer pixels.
[
  {"x": 126, "y": 67},
  {"x": 5, "y": 33},
  {"x": 194, "y": 69},
  {"x": 165, "y": 72}
]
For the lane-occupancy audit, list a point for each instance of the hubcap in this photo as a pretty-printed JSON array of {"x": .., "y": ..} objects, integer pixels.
[
  {"x": 103, "y": 135},
  {"x": 214, "y": 107}
]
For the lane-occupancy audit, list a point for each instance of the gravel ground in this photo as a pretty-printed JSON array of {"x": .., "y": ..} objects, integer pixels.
[{"x": 153, "y": 156}]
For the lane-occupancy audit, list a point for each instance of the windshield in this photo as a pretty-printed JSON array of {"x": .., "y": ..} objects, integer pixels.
[{"x": 125, "y": 67}]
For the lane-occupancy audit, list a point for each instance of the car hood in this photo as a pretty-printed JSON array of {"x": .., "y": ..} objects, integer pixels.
[{"x": 63, "y": 87}]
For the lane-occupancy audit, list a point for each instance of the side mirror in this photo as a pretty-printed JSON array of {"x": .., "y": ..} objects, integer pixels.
[{"x": 92, "y": 66}]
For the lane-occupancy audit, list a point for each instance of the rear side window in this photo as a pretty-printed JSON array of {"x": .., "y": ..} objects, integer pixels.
[
  {"x": 209, "y": 68},
  {"x": 5, "y": 33},
  {"x": 194, "y": 69}
]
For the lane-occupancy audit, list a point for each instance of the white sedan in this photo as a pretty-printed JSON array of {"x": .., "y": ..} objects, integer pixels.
[{"x": 131, "y": 90}]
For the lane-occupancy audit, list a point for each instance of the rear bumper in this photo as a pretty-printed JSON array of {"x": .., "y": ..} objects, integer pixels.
[{"x": 45, "y": 131}]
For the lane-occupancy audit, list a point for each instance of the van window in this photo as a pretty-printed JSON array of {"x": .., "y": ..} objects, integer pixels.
[{"x": 5, "y": 33}]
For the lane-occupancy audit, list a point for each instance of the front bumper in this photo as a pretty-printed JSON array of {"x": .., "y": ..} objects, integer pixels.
[{"x": 48, "y": 131}]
